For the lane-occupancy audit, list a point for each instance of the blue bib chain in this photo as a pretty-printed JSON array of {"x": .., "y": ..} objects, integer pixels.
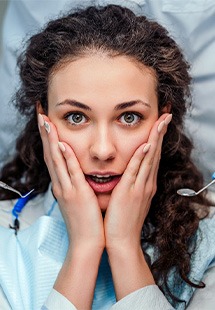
[{"x": 19, "y": 205}]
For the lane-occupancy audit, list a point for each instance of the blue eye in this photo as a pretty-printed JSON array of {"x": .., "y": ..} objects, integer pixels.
[
  {"x": 130, "y": 118},
  {"x": 76, "y": 118}
]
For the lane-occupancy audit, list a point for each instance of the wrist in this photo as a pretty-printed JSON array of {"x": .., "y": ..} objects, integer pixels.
[
  {"x": 123, "y": 246},
  {"x": 125, "y": 254},
  {"x": 86, "y": 244},
  {"x": 129, "y": 270},
  {"x": 77, "y": 277},
  {"x": 84, "y": 252}
]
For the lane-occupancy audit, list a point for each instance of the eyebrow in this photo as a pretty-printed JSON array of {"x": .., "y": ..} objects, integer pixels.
[
  {"x": 118, "y": 107},
  {"x": 74, "y": 103},
  {"x": 129, "y": 104}
]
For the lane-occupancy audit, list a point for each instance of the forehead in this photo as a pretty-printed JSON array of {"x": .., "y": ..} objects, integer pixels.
[{"x": 97, "y": 76}]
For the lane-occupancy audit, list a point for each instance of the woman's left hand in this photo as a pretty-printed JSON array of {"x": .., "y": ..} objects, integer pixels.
[
  {"x": 131, "y": 199},
  {"x": 128, "y": 207}
]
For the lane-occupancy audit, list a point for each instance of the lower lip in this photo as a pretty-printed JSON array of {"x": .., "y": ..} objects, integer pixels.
[{"x": 103, "y": 187}]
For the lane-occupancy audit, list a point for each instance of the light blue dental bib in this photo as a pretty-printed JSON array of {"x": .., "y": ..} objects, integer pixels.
[{"x": 30, "y": 262}]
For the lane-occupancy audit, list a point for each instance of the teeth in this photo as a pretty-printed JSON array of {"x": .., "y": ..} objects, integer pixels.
[{"x": 101, "y": 176}]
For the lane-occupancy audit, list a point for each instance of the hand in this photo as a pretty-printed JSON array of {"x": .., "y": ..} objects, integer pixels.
[
  {"x": 77, "y": 201},
  {"x": 131, "y": 199},
  {"x": 82, "y": 216}
]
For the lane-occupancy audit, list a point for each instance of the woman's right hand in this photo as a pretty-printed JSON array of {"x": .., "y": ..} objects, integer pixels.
[
  {"x": 82, "y": 215},
  {"x": 77, "y": 201}
]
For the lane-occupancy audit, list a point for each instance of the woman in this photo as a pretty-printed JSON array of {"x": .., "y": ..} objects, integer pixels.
[{"x": 105, "y": 93}]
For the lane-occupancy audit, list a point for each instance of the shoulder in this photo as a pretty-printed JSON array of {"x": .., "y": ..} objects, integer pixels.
[
  {"x": 204, "y": 253},
  {"x": 206, "y": 231},
  {"x": 207, "y": 226},
  {"x": 6, "y": 207}
]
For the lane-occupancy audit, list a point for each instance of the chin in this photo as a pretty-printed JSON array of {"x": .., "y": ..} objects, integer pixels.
[{"x": 103, "y": 200}]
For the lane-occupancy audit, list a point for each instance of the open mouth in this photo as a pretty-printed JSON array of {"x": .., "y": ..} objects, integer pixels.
[
  {"x": 102, "y": 183},
  {"x": 101, "y": 179}
]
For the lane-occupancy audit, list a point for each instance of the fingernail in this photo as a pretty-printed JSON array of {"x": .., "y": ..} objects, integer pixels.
[
  {"x": 146, "y": 148},
  {"x": 47, "y": 126},
  {"x": 61, "y": 146},
  {"x": 40, "y": 120},
  {"x": 161, "y": 126},
  {"x": 168, "y": 119}
]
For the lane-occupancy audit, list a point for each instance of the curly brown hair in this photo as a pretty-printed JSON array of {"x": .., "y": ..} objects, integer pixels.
[{"x": 172, "y": 222}]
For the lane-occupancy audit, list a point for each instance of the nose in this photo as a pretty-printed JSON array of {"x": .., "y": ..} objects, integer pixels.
[{"x": 103, "y": 145}]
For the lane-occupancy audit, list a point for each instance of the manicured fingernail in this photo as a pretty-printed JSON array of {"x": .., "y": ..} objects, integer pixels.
[
  {"x": 61, "y": 146},
  {"x": 40, "y": 120},
  {"x": 146, "y": 148},
  {"x": 47, "y": 126},
  {"x": 168, "y": 119},
  {"x": 161, "y": 126}
]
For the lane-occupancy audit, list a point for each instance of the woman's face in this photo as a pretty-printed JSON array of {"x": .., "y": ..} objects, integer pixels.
[{"x": 104, "y": 109}]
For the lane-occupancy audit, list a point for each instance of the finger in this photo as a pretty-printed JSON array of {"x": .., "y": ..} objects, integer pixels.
[
  {"x": 56, "y": 159},
  {"x": 151, "y": 181},
  {"x": 46, "y": 148},
  {"x": 161, "y": 132},
  {"x": 149, "y": 166},
  {"x": 74, "y": 169},
  {"x": 131, "y": 171},
  {"x": 157, "y": 156}
]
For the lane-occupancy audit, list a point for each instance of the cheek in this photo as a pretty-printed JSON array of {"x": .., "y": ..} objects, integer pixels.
[
  {"x": 77, "y": 142},
  {"x": 131, "y": 144}
]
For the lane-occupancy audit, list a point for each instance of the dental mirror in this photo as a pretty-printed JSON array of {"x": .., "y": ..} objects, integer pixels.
[{"x": 188, "y": 192}]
